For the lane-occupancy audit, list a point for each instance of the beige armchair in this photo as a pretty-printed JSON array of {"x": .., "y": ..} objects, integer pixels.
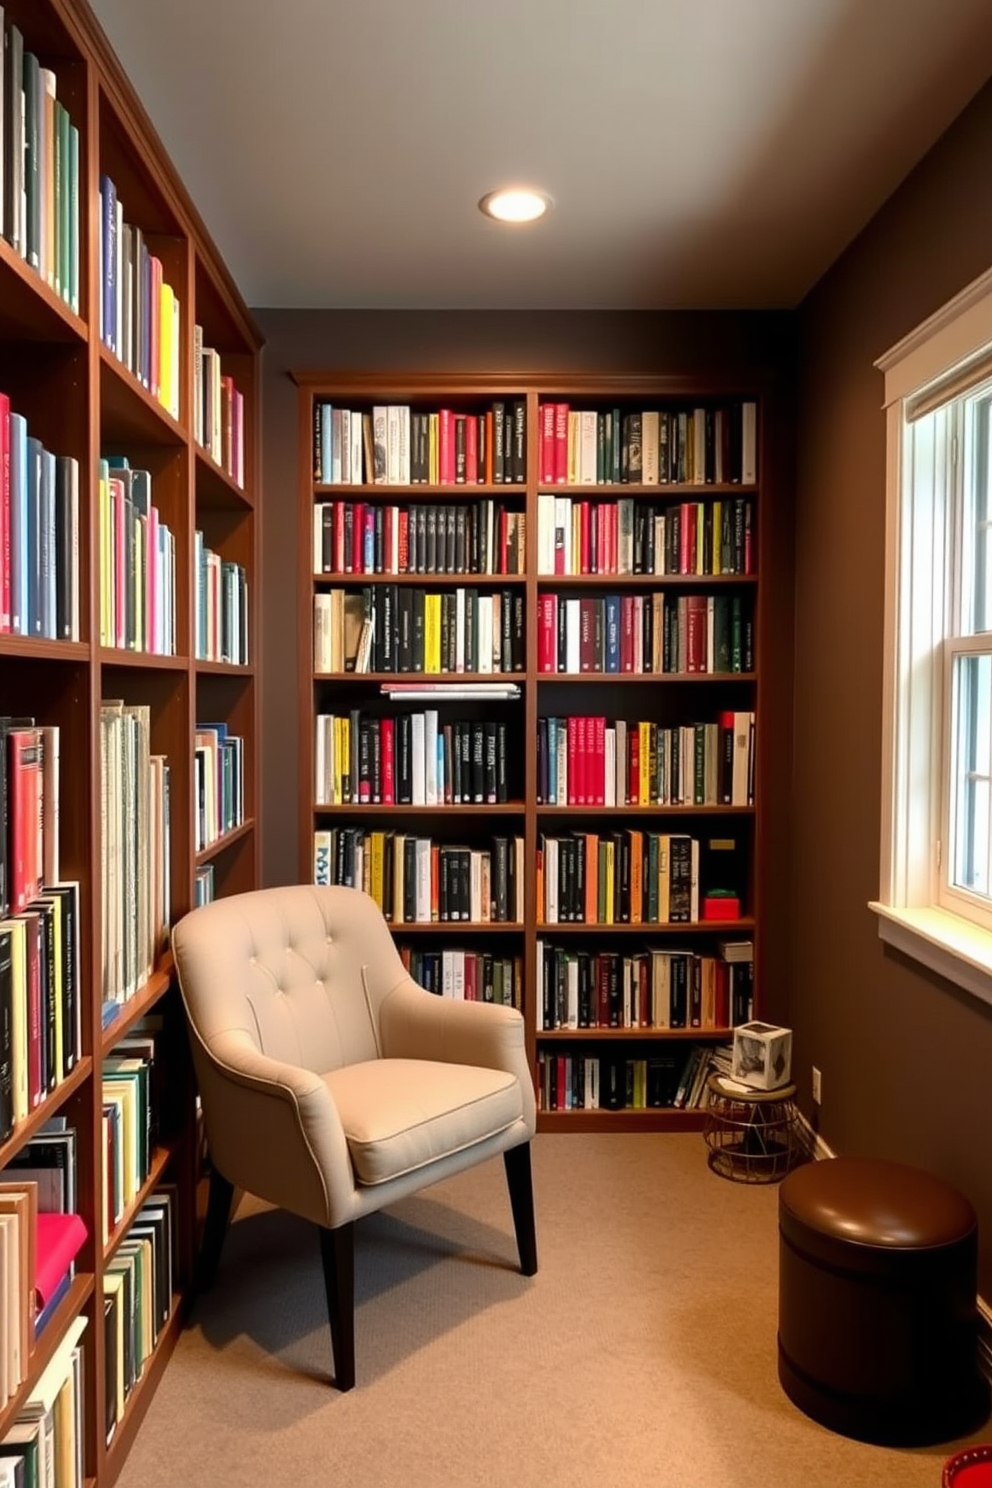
[{"x": 332, "y": 1084}]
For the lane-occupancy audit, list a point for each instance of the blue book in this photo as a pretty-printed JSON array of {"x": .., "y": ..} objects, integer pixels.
[
  {"x": 18, "y": 524},
  {"x": 108, "y": 261},
  {"x": 611, "y": 610}
]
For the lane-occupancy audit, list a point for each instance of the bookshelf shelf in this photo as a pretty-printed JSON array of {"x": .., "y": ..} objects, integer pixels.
[
  {"x": 102, "y": 388},
  {"x": 607, "y": 480}
]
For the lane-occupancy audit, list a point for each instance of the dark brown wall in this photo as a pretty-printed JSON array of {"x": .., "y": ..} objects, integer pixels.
[{"x": 906, "y": 1059}]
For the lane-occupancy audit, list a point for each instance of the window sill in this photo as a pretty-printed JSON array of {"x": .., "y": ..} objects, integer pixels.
[{"x": 948, "y": 945}]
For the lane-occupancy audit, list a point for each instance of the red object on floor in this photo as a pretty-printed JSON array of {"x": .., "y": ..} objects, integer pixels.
[{"x": 971, "y": 1468}]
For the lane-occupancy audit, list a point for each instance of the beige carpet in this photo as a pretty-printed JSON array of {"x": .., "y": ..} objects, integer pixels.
[{"x": 642, "y": 1354}]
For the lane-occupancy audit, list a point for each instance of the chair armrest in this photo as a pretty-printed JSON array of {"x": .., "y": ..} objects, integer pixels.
[
  {"x": 416, "y": 1024},
  {"x": 296, "y": 1155}
]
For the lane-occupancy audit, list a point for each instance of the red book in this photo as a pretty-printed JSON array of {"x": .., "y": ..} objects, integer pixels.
[
  {"x": 471, "y": 991},
  {"x": 472, "y": 451},
  {"x": 387, "y": 757},
  {"x": 695, "y": 633},
  {"x": 403, "y": 543},
  {"x": 597, "y": 749},
  {"x": 59, "y": 1240},
  {"x": 585, "y": 550},
  {"x": 627, "y": 633},
  {"x": 24, "y": 782},
  {"x": 547, "y": 633},
  {"x": 633, "y": 766},
  {"x": 576, "y": 791},
  {"x": 561, "y": 444},
  {"x": 546, "y": 445},
  {"x": 446, "y": 447}
]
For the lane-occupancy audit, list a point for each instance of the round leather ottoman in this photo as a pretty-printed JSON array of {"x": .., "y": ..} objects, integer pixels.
[{"x": 877, "y": 1334}]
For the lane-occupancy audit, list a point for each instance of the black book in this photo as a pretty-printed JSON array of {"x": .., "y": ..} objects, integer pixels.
[
  {"x": 499, "y": 443},
  {"x": 430, "y": 542},
  {"x": 479, "y": 793},
  {"x": 461, "y": 540},
  {"x": 490, "y": 784},
  {"x": 66, "y": 508},
  {"x": 449, "y": 540},
  {"x": 417, "y": 603},
  {"x": 519, "y": 441},
  {"x": 409, "y": 878}
]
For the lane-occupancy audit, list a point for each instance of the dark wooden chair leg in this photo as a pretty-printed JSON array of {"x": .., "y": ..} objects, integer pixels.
[
  {"x": 518, "y": 1180},
  {"x": 219, "y": 1202},
  {"x": 337, "y": 1252}
]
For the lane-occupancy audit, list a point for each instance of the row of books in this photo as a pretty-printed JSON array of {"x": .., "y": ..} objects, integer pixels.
[
  {"x": 590, "y": 760},
  {"x": 128, "y": 1118},
  {"x": 628, "y": 537},
  {"x": 417, "y": 880},
  {"x": 395, "y": 445},
  {"x": 135, "y": 862},
  {"x": 218, "y": 783},
  {"x": 40, "y": 1001},
  {"x": 218, "y": 410},
  {"x": 472, "y": 976},
  {"x": 634, "y": 877},
  {"x": 137, "y": 1300},
  {"x": 137, "y": 562},
  {"x": 645, "y": 633},
  {"x": 573, "y": 1080},
  {"x": 221, "y": 607},
  {"x": 357, "y": 537},
  {"x": 39, "y": 168},
  {"x": 702, "y": 445},
  {"x": 656, "y": 988},
  {"x": 140, "y": 319},
  {"x": 39, "y": 534},
  {"x": 404, "y": 629},
  {"x": 37, "y": 1256},
  {"x": 412, "y": 759},
  {"x": 45, "y": 1444}
]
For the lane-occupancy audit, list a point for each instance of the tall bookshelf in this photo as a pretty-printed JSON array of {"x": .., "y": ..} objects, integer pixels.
[
  {"x": 101, "y": 379},
  {"x": 634, "y": 978}
]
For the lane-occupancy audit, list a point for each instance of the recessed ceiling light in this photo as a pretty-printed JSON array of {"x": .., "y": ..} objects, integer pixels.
[{"x": 515, "y": 204}]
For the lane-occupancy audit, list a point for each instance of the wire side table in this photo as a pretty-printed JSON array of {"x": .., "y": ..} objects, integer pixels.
[{"x": 752, "y": 1136}]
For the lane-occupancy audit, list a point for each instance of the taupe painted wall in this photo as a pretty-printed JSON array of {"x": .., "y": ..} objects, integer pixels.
[{"x": 906, "y": 1059}]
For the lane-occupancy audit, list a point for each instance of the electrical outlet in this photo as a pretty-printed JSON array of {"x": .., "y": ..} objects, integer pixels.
[{"x": 817, "y": 1086}]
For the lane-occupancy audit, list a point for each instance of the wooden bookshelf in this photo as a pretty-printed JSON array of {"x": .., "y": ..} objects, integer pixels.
[
  {"x": 85, "y": 398},
  {"x": 666, "y": 699}
]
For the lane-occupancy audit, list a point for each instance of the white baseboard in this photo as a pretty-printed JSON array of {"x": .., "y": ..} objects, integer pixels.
[{"x": 817, "y": 1148}]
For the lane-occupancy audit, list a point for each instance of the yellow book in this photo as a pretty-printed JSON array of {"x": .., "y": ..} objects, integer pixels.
[
  {"x": 398, "y": 842},
  {"x": 609, "y": 879},
  {"x": 19, "y": 1021},
  {"x": 378, "y": 857},
  {"x": 716, "y": 565},
  {"x": 636, "y": 876},
  {"x": 166, "y": 351},
  {"x": 700, "y": 537},
  {"x": 432, "y": 633},
  {"x": 643, "y": 764},
  {"x": 432, "y": 448},
  {"x": 664, "y": 877}
]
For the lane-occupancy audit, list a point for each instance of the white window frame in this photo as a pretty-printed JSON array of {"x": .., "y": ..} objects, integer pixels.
[{"x": 915, "y": 914}]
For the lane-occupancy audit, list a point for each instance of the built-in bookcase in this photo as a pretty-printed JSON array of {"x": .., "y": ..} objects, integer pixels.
[
  {"x": 129, "y": 551},
  {"x": 531, "y": 629}
]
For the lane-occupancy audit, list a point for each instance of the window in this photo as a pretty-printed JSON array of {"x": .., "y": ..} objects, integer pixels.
[{"x": 935, "y": 900}]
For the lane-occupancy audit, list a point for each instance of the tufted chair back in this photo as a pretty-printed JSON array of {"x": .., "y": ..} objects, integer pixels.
[{"x": 301, "y": 972}]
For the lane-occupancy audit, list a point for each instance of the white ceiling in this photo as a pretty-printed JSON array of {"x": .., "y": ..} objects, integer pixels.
[{"x": 701, "y": 153}]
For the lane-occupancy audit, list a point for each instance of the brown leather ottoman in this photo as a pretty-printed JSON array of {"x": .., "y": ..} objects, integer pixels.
[{"x": 877, "y": 1333}]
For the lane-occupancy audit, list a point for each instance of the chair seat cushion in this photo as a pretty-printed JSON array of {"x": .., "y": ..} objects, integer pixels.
[{"x": 402, "y": 1114}]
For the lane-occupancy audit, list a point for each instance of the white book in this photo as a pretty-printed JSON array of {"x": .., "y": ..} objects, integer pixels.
[
  {"x": 591, "y": 1100},
  {"x": 447, "y": 973},
  {"x": 322, "y": 867},
  {"x": 650, "y": 422},
  {"x": 430, "y": 757},
  {"x": 572, "y": 636},
  {"x": 476, "y": 906},
  {"x": 356, "y": 455},
  {"x": 484, "y": 626},
  {"x": 551, "y": 880},
  {"x": 546, "y": 510},
  {"x": 587, "y": 448},
  {"x": 563, "y": 536},
  {"x": 572, "y": 992},
  {"x": 418, "y": 762},
  {"x": 423, "y": 886},
  {"x": 393, "y": 445},
  {"x": 561, "y": 763},
  {"x": 749, "y": 443},
  {"x": 458, "y": 975}
]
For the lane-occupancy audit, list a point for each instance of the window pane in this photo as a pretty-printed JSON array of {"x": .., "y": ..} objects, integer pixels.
[
  {"x": 971, "y": 781},
  {"x": 975, "y": 578}
]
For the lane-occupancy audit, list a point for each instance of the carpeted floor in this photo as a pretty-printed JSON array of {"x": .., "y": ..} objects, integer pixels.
[{"x": 643, "y": 1352}]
